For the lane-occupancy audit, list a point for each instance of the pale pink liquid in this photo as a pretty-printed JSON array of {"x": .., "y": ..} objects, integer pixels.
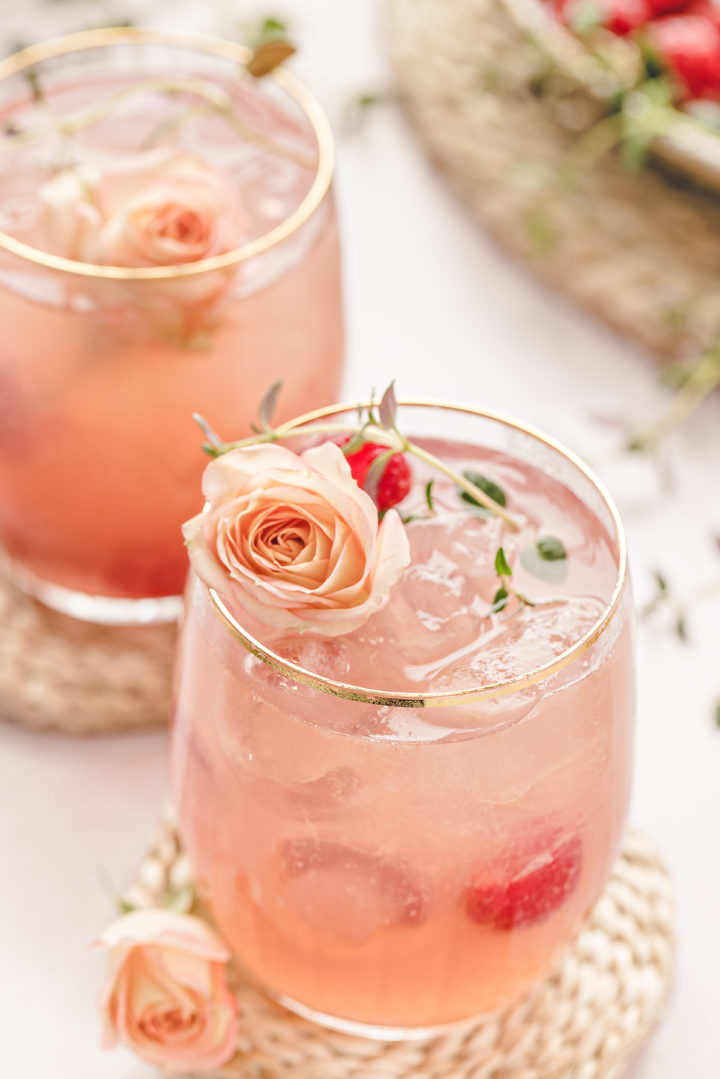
[
  {"x": 100, "y": 460},
  {"x": 336, "y": 841}
]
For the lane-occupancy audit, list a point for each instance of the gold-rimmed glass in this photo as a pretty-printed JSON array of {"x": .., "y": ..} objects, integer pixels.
[
  {"x": 102, "y": 364},
  {"x": 336, "y": 828}
]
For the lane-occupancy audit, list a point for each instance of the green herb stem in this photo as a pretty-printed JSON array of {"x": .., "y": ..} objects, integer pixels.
[
  {"x": 591, "y": 147},
  {"x": 525, "y": 601},
  {"x": 218, "y": 99},
  {"x": 470, "y": 488},
  {"x": 383, "y": 437},
  {"x": 700, "y": 383}
]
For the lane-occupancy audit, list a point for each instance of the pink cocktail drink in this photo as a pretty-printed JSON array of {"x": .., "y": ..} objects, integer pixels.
[
  {"x": 415, "y": 851},
  {"x": 106, "y": 349}
]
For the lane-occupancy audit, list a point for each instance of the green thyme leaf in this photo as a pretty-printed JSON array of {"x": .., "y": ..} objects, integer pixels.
[
  {"x": 546, "y": 559},
  {"x": 407, "y": 518},
  {"x": 550, "y": 548},
  {"x": 660, "y": 581},
  {"x": 717, "y": 714},
  {"x": 369, "y": 98},
  {"x": 356, "y": 441},
  {"x": 272, "y": 25},
  {"x": 681, "y": 627},
  {"x": 500, "y": 600},
  {"x": 491, "y": 489},
  {"x": 501, "y": 564},
  {"x": 662, "y": 595},
  {"x": 359, "y": 107}
]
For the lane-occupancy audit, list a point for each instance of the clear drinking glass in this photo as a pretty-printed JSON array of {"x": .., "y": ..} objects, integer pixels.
[
  {"x": 103, "y": 363},
  {"x": 397, "y": 829}
]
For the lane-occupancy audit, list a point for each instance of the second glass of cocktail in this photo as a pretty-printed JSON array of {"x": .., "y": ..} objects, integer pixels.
[
  {"x": 167, "y": 237},
  {"x": 397, "y": 823}
]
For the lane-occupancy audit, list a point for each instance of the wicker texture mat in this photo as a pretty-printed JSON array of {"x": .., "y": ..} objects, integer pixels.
[
  {"x": 582, "y": 1023},
  {"x": 642, "y": 250},
  {"x": 62, "y": 674}
]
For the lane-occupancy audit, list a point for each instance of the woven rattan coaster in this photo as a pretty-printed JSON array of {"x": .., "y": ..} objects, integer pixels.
[
  {"x": 62, "y": 674},
  {"x": 641, "y": 250},
  {"x": 582, "y": 1023}
]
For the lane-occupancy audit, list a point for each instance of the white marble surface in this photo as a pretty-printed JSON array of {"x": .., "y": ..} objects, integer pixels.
[{"x": 433, "y": 302}]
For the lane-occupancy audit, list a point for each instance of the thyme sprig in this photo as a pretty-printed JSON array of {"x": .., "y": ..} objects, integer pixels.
[
  {"x": 211, "y": 99},
  {"x": 665, "y": 599},
  {"x": 701, "y": 379},
  {"x": 375, "y": 423},
  {"x": 677, "y": 610},
  {"x": 507, "y": 589},
  {"x": 635, "y": 117}
]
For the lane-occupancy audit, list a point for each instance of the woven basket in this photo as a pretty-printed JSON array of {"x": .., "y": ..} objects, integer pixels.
[
  {"x": 61, "y": 674},
  {"x": 689, "y": 147},
  {"x": 641, "y": 251}
]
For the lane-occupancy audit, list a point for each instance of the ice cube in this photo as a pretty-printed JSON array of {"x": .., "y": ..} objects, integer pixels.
[
  {"x": 439, "y": 604},
  {"x": 521, "y": 642},
  {"x": 347, "y": 893},
  {"x": 315, "y": 799}
]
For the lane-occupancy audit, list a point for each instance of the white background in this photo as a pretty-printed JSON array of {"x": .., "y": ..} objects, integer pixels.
[{"x": 432, "y": 302}]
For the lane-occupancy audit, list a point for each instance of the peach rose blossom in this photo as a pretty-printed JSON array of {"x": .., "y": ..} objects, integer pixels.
[
  {"x": 295, "y": 539},
  {"x": 160, "y": 208},
  {"x": 166, "y": 997}
]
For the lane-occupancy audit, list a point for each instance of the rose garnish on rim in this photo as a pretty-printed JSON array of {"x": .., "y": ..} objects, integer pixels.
[{"x": 312, "y": 541}]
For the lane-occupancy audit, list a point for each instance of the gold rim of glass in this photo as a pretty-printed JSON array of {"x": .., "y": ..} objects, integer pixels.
[
  {"x": 448, "y": 697},
  {"x": 228, "y": 50}
]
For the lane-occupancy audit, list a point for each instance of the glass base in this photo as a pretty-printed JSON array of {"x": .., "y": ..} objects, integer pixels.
[
  {"x": 369, "y": 1030},
  {"x": 103, "y": 610}
]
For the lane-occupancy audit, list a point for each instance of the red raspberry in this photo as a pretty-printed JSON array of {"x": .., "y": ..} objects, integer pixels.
[
  {"x": 395, "y": 481},
  {"x": 708, "y": 9},
  {"x": 689, "y": 46},
  {"x": 546, "y": 875},
  {"x": 621, "y": 17},
  {"x": 667, "y": 7}
]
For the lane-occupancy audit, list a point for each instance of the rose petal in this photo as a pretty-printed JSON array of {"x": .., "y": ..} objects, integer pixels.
[
  {"x": 238, "y": 470},
  {"x": 183, "y": 931}
]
